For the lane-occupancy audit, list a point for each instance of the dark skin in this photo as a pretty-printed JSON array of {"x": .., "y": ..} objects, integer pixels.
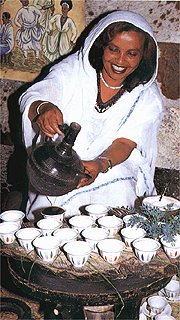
[{"x": 121, "y": 57}]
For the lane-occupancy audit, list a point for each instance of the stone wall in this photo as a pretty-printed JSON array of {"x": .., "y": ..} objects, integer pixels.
[{"x": 163, "y": 16}]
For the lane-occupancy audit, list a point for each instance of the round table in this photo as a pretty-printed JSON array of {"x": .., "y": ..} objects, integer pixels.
[{"x": 61, "y": 287}]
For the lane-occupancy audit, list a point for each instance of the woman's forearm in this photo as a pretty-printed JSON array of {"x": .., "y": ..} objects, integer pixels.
[{"x": 117, "y": 152}]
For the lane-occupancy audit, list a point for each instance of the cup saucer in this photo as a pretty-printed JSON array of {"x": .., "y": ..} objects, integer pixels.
[
  {"x": 142, "y": 315},
  {"x": 147, "y": 313},
  {"x": 162, "y": 294}
]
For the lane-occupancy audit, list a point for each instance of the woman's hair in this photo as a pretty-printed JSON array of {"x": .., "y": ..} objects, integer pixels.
[
  {"x": 69, "y": 2},
  {"x": 147, "y": 65}
]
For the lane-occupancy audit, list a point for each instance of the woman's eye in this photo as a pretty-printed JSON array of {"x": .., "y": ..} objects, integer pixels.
[
  {"x": 113, "y": 49},
  {"x": 132, "y": 54}
]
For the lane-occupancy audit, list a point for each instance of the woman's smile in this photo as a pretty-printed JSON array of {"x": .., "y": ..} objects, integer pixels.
[
  {"x": 118, "y": 69},
  {"x": 122, "y": 56}
]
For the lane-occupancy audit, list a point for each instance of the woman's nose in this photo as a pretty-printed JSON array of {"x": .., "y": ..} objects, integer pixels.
[{"x": 120, "y": 58}]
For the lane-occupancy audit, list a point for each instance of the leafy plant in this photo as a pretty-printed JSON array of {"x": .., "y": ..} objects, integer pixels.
[{"x": 156, "y": 223}]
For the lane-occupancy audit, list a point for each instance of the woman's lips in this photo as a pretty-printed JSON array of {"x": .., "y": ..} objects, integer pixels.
[{"x": 117, "y": 69}]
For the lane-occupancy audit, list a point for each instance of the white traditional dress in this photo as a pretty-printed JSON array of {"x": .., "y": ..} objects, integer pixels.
[
  {"x": 29, "y": 39},
  {"x": 72, "y": 86},
  {"x": 7, "y": 38},
  {"x": 58, "y": 43}
]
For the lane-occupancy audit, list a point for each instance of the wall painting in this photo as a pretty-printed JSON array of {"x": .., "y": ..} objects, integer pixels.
[{"x": 36, "y": 32}]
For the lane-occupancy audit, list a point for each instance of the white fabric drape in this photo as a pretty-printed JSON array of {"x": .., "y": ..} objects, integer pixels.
[{"x": 72, "y": 86}]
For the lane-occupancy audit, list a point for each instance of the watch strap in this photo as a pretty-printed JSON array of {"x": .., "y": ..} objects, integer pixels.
[{"x": 109, "y": 162}]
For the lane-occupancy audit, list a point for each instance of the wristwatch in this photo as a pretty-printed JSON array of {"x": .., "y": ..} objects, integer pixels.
[{"x": 109, "y": 162}]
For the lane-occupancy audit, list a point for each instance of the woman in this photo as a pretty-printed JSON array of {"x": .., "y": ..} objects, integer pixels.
[
  {"x": 109, "y": 88},
  {"x": 56, "y": 42}
]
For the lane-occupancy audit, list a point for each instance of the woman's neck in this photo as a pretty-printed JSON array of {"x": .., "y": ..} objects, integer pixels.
[{"x": 106, "y": 93}]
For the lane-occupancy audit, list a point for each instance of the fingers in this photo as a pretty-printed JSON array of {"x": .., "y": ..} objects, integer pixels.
[
  {"x": 85, "y": 182},
  {"x": 48, "y": 122}
]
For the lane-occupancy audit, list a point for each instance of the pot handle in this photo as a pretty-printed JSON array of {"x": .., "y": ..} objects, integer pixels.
[{"x": 64, "y": 128}]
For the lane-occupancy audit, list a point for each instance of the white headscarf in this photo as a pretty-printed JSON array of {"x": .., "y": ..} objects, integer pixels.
[{"x": 117, "y": 16}]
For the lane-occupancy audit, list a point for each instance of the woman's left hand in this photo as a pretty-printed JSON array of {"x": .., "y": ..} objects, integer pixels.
[{"x": 92, "y": 169}]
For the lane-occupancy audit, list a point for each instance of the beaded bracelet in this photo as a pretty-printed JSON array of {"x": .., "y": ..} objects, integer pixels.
[
  {"x": 109, "y": 162},
  {"x": 38, "y": 107}
]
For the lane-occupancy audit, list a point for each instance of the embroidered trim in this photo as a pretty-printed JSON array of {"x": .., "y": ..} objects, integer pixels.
[
  {"x": 98, "y": 187},
  {"x": 130, "y": 111},
  {"x": 103, "y": 106},
  {"x": 145, "y": 180}
]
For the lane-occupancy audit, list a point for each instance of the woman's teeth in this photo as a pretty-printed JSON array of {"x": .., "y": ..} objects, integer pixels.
[{"x": 120, "y": 69}]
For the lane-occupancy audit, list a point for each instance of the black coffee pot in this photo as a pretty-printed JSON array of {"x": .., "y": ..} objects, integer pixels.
[{"x": 56, "y": 169}]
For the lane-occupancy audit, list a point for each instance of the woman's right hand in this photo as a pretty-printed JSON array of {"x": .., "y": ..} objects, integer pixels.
[{"x": 48, "y": 119}]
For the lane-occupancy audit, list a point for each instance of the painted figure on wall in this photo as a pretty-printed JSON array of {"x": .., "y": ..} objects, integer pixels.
[
  {"x": 29, "y": 35},
  {"x": 46, "y": 7},
  {"x": 6, "y": 38},
  {"x": 56, "y": 42}
]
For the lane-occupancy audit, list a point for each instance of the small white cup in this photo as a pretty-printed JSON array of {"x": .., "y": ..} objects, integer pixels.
[
  {"x": 7, "y": 231},
  {"x": 25, "y": 237},
  {"x": 14, "y": 216},
  {"x": 145, "y": 249},
  {"x": 65, "y": 235},
  {"x": 78, "y": 252},
  {"x": 96, "y": 211},
  {"x": 111, "y": 224},
  {"x": 157, "y": 304},
  {"x": 172, "y": 249},
  {"x": 126, "y": 219},
  {"x": 81, "y": 222},
  {"x": 129, "y": 234},
  {"x": 93, "y": 235},
  {"x": 172, "y": 289},
  {"x": 111, "y": 249},
  {"x": 48, "y": 225},
  {"x": 53, "y": 212},
  {"x": 47, "y": 247}
]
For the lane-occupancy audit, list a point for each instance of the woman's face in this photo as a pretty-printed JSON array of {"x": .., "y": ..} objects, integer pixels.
[
  {"x": 122, "y": 56},
  {"x": 65, "y": 10}
]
